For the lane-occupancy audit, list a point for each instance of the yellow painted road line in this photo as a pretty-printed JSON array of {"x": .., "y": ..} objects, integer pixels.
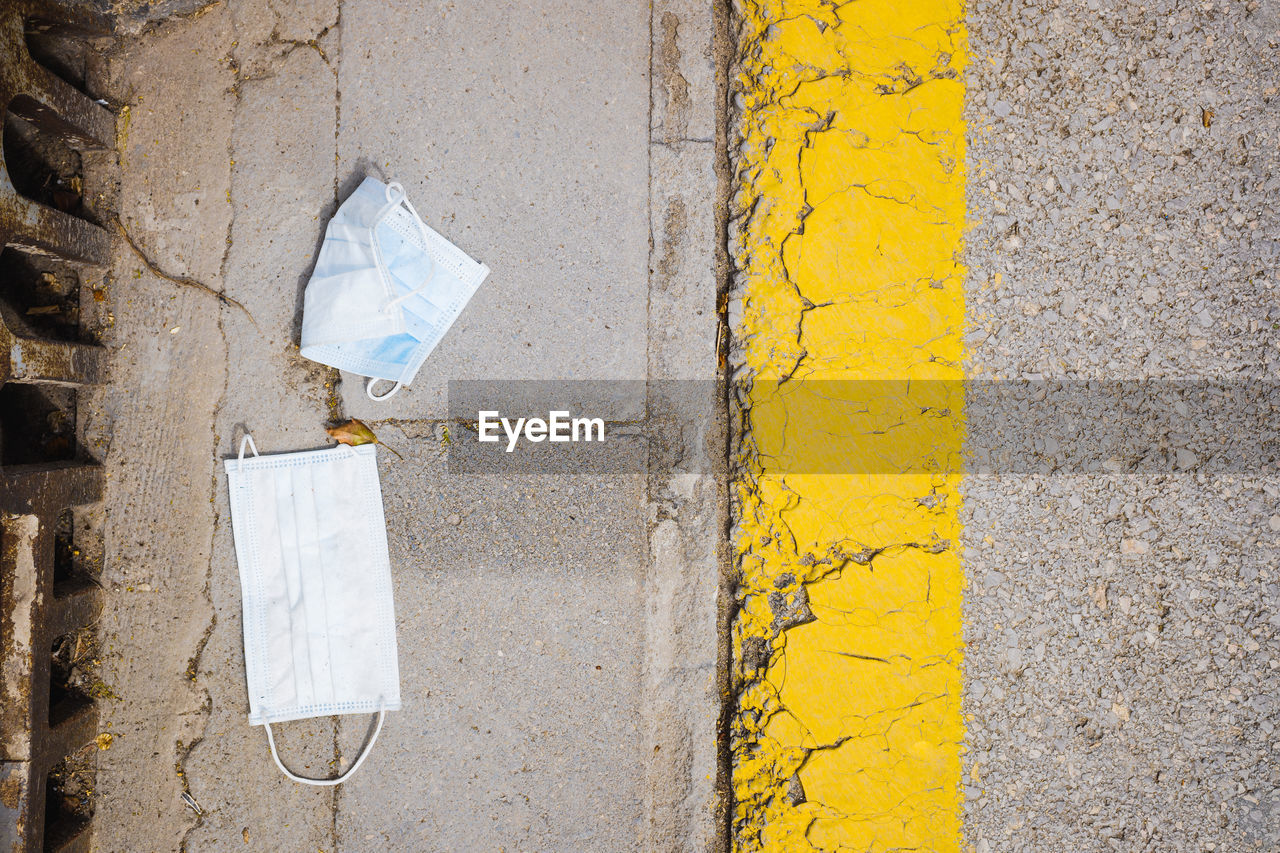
[{"x": 848, "y": 643}]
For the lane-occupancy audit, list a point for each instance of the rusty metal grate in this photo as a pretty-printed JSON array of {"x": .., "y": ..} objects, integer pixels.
[
  {"x": 37, "y": 732},
  {"x": 40, "y": 600}
]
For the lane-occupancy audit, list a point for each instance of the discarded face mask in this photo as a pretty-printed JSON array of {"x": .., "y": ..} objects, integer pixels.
[
  {"x": 315, "y": 579},
  {"x": 385, "y": 289}
]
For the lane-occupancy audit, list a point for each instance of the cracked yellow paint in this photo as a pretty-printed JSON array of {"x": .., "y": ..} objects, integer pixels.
[{"x": 850, "y": 215}]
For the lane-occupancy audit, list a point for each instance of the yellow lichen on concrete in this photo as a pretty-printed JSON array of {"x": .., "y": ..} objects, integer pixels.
[{"x": 847, "y": 239}]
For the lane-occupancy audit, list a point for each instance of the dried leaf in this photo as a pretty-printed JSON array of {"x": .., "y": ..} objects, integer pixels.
[
  {"x": 356, "y": 432},
  {"x": 1206, "y": 117},
  {"x": 353, "y": 432},
  {"x": 40, "y": 310}
]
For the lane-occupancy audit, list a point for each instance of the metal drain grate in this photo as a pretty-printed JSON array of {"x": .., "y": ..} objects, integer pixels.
[
  {"x": 38, "y": 733},
  {"x": 39, "y": 600}
]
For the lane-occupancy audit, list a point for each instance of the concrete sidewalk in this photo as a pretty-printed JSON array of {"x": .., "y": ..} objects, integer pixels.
[{"x": 558, "y": 636}]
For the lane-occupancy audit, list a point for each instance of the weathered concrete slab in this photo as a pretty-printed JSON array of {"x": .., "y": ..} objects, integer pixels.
[
  {"x": 280, "y": 397},
  {"x": 520, "y": 135},
  {"x": 517, "y": 612},
  {"x": 531, "y": 147},
  {"x": 153, "y": 423},
  {"x": 687, "y": 510}
]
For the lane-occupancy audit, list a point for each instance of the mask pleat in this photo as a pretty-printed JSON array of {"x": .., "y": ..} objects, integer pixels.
[
  {"x": 410, "y": 267},
  {"x": 423, "y": 319},
  {"x": 291, "y": 483},
  {"x": 342, "y": 234},
  {"x": 345, "y": 249},
  {"x": 271, "y": 618},
  {"x": 395, "y": 349},
  {"x": 327, "y": 523},
  {"x": 351, "y": 572}
]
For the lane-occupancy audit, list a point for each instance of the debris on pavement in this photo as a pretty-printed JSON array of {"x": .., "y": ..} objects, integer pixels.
[
  {"x": 385, "y": 289},
  {"x": 354, "y": 433}
]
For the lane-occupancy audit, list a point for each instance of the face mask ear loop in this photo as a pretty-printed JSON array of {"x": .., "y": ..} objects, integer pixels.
[
  {"x": 395, "y": 195},
  {"x": 337, "y": 780},
  {"x": 368, "y": 390},
  {"x": 248, "y": 439},
  {"x": 402, "y": 297}
]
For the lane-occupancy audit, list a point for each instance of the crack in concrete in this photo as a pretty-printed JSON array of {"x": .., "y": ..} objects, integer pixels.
[
  {"x": 184, "y": 281},
  {"x": 332, "y": 376},
  {"x": 193, "y": 667},
  {"x": 240, "y": 78},
  {"x": 183, "y": 750}
]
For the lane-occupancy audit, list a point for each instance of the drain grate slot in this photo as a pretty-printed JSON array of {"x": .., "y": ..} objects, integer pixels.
[
  {"x": 48, "y": 603},
  {"x": 39, "y": 296},
  {"x": 37, "y": 424},
  {"x": 41, "y": 165}
]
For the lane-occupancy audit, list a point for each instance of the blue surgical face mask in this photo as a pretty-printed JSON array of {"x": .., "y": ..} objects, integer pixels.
[{"x": 385, "y": 289}]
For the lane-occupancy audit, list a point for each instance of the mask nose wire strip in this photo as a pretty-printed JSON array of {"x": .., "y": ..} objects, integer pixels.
[{"x": 337, "y": 780}]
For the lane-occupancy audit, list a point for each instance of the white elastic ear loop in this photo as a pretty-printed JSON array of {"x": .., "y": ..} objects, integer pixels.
[
  {"x": 389, "y": 193},
  {"x": 422, "y": 230},
  {"x": 248, "y": 439},
  {"x": 395, "y": 195},
  {"x": 386, "y": 309},
  {"x": 368, "y": 390},
  {"x": 337, "y": 780}
]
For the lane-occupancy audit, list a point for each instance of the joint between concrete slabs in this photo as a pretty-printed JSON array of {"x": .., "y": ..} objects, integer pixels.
[{"x": 686, "y": 800}]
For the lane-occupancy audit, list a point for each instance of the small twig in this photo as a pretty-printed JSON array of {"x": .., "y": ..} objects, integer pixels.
[{"x": 178, "y": 279}]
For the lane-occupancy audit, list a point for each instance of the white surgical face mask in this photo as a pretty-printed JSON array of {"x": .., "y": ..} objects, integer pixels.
[
  {"x": 385, "y": 289},
  {"x": 319, "y": 626}
]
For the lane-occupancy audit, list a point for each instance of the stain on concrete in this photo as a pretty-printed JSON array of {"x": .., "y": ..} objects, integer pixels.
[
  {"x": 673, "y": 88},
  {"x": 674, "y": 224}
]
